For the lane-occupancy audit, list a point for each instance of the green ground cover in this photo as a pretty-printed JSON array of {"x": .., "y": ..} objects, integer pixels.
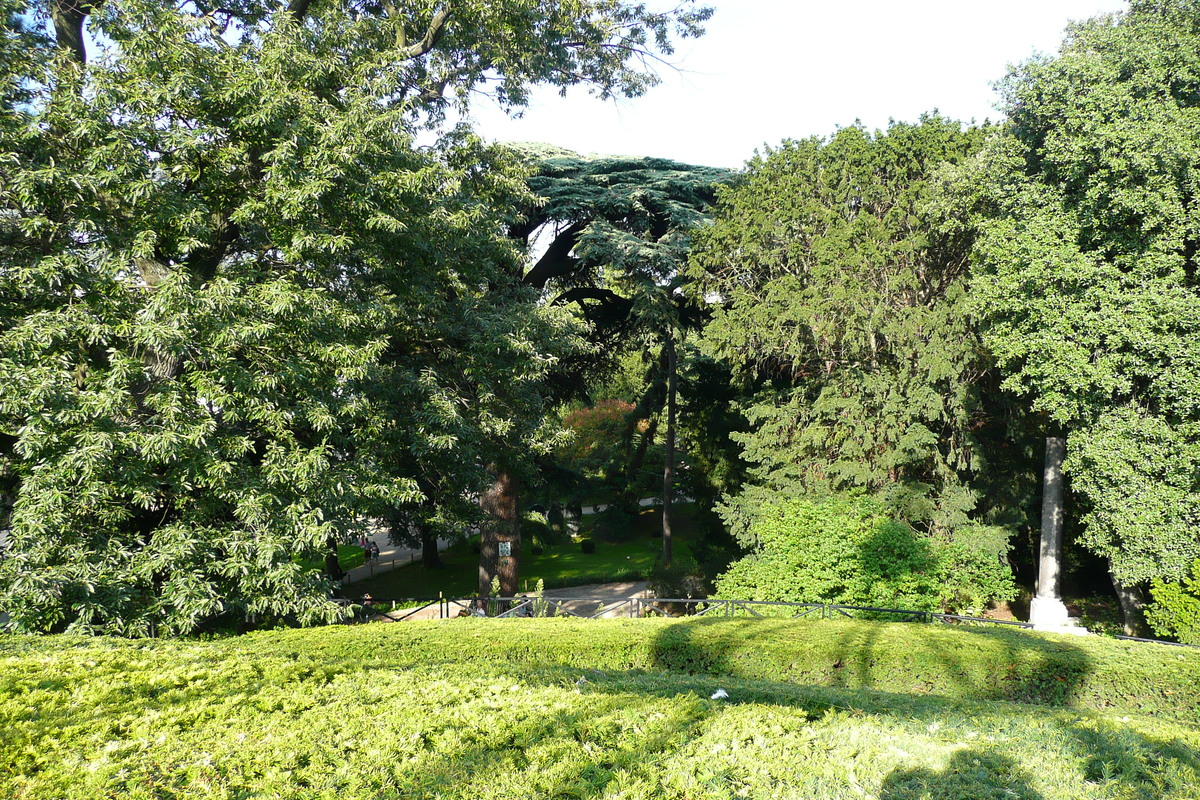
[
  {"x": 349, "y": 557},
  {"x": 485, "y": 709},
  {"x": 563, "y": 564}
]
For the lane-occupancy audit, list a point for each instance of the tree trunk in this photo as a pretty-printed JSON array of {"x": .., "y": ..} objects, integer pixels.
[
  {"x": 669, "y": 455},
  {"x": 430, "y": 557},
  {"x": 629, "y": 497},
  {"x": 1132, "y": 603},
  {"x": 500, "y": 549},
  {"x": 1047, "y": 608}
]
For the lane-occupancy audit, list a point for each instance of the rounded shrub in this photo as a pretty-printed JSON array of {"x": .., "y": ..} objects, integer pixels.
[{"x": 849, "y": 551}]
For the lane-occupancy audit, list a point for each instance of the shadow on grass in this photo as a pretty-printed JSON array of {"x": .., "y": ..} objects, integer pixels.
[
  {"x": 854, "y": 655},
  {"x": 618, "y": 740},
  {"x": 968, "y": 775}
]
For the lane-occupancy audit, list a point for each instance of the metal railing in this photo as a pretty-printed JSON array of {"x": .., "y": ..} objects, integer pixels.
[{"x": 637, "y": 607}]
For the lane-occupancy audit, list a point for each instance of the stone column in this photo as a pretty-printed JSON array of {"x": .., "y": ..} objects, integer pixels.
[{"x": 1047, "y": 609}]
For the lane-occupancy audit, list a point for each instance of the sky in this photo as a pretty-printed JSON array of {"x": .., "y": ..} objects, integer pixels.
[{"x": 769, "y": 70}]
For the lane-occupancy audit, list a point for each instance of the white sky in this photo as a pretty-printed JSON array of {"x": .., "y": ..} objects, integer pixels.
[{"x": 774, "y": 69}]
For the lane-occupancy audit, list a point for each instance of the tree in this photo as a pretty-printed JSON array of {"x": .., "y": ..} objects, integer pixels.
[
  {"x": 840, "y": 307},
  {"x": 1086, "y": 276},
  {"x": 621, "y": 230},
  {"x": 232, "y": 284}
]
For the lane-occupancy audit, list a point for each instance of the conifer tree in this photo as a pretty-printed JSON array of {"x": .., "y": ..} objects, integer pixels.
[
  {"x": 841, "y": 307},
  {"x": 240, "y": 304}
]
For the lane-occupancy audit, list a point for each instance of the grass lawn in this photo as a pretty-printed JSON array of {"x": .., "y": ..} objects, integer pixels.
[
  {"x": 564, "y": 564},
  {"x": 601, "y": 710},
  {"x": 349, "y": 557}
]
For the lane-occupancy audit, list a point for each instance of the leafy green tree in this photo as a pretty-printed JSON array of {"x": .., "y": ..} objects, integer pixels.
[
  {"x": 1086, "y": 277},
  {"x": 841, "y": 310},
  {"x": 240, "y": 304}
]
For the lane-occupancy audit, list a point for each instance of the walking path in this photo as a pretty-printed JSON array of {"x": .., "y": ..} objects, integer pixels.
[
  {"x": 583, "y": 600},
  {"x": 390, "y": 557}
]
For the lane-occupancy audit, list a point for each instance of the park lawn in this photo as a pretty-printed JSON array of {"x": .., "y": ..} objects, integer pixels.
[
  {"x": 349, "y": 557},
  {"x": 562, "y": 565},
  {"x": 616, "y": 709}
]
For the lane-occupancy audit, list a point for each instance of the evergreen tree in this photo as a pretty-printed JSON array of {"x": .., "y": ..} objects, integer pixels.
[
  {"x": 240, "y": 304},
  {"x": 841, "y": 306},
  {"x": 620, "y": 232}
]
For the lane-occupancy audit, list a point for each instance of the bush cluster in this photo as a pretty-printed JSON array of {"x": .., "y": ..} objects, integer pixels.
[
  {"x": 849, "y": 551},
  {"x": 1176, "y": 608}
]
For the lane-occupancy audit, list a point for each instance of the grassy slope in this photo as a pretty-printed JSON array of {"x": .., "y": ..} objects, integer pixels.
[
  {"x": 604, "y": 709},
  {"x": 562, "y": 565}
]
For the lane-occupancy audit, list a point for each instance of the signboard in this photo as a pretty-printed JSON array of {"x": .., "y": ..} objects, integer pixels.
[{"x": 505, "y": 549}]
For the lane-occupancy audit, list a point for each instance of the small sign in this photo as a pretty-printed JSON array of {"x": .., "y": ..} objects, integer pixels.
[{"x": 505, "y": 549}]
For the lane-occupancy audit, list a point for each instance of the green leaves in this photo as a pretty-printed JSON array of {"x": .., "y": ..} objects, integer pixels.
[
  {"x": 1086, "y": 277},
  {"x": 840, "y": 303},
  {"x": 240, "y": 307}
]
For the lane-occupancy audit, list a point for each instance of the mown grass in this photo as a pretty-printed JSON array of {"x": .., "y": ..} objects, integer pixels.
[
  {"x": 561, "y": 565},
  {"x": 487, "y": 709},
  {"x": 349, "y": 557}
]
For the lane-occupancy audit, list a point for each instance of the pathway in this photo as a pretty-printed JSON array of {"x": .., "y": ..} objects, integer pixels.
[
  {"x": 581, "y": 600},
  {"x": 390, "y": 557}
]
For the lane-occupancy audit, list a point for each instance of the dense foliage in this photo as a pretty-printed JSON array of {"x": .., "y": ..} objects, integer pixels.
[
  {"x": 841, "y": 308},
  {"x": 239, "y": 303},
  {"x": 851, "y": 552},
  {"x": 1176, "y": 609},
  {"x": 1086, "y": 275},
  {"x": 591, "y": 709}
]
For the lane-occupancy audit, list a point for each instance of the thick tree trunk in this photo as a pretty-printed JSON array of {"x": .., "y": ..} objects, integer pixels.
[
  {"x": 1132, "y": 605},
  {"x": 669, "y": 455},
  {"x": 1047, "y": 607},
  {"x": 430, "y": 557},
  {"x": 500, "y": 549}
]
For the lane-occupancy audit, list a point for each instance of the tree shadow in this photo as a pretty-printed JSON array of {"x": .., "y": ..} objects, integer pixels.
[
  {"x": 968, "y": 775},
  {"x": 852, "y": 654}
]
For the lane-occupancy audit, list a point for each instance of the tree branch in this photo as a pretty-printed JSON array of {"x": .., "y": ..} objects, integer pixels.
[
  {"x": 429, "y": 41},
  {"x": 606, "y": 297},
  {"x": 68, "y": 17},
  {"x": 298, "y": 8},
  {"x": 557, "y": 261}
]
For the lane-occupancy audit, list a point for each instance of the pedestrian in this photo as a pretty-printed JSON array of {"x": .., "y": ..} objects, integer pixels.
[{"x": 374, "y": 551}]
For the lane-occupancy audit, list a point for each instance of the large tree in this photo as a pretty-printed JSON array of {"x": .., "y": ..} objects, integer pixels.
[
  {"x": 1087, "y": 279},
  {"x": 617, "y": 232},
  {"x": 841, "y": 307},
  {"x": 240, "y": 302}
]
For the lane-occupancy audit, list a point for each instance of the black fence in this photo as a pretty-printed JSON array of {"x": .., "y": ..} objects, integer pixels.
[{"x": 634, "y": 608}]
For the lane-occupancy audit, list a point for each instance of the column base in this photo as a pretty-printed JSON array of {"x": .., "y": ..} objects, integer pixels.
[{"x": 1050, "y": 614}]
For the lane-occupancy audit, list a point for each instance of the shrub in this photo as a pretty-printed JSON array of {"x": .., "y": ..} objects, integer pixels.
[
  {"x": 850, "y": 552},
  {"x": 616, "y": 524},
  {"x": 587, "y": 546},
  {"x": 685, "y": 578},
  {"x": 970, "y": 579},
  {"x": 1175, "y": 611},
  {"x": 536, "y": 551},
  {"x": 537, "y": 531}
]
